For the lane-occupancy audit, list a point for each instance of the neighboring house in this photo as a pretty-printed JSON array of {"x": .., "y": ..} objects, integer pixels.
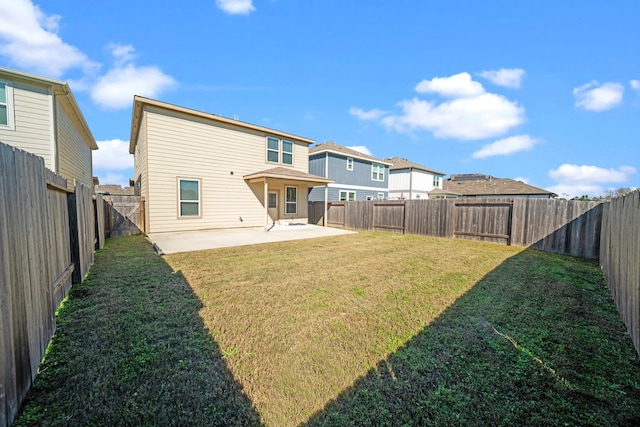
[
  {"x": 41, "y": 116},
  {"x": 357, "y": 176},
  {"x": 479, "y": 185},
  {"x": 410, "y": 181},
  {"x": 196, "y": 170}
]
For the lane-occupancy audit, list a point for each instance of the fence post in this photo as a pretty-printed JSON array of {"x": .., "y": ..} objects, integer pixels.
[{"x": 74, "y": 241}]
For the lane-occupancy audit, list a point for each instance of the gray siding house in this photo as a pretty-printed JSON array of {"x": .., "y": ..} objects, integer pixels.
[{"x": 356, "y": 176}]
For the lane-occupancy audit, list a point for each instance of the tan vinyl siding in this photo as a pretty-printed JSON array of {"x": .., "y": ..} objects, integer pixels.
[
  {"x": 140, "y": 168},
  {"x": 182, "y": 146},
  {"x": 32, "y": 111},
  {"x": 74, "y": 156}
]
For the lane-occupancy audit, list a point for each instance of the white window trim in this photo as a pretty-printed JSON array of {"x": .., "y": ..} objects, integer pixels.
[
  {"x": 375, "y": 170},
  {"x": 346, "y": 196},
  {"x": 287, "y": 202},
  {"x": 199, "y": 181},
  {"x": 380, "y": 196},
  {"x": 349, "y": 163},
  {"x": 283, "y": 152},
  {"x": 10, "y": 103},
  {"x": 272, "y": 150},
  {"x": 280, "y": 151}
]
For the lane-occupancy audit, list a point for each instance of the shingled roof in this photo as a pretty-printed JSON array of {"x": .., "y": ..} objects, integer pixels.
[
  {"x": 332, "y": 147},
  {"x": 402, "y": 163},
  {"x": 487, "y": 185}
]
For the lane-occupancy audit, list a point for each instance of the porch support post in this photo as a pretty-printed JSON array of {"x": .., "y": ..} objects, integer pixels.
[
  {"x": 326, "y": 209},
  {"x": 266, "y": 204}
]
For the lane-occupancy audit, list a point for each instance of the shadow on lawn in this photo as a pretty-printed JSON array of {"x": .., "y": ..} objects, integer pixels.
[
  {"x": 512, "y": 351},
  {"x": 131, "y": 349}
]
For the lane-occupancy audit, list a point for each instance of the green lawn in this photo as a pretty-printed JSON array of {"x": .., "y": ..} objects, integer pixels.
[{"x": 366, "y": 329}]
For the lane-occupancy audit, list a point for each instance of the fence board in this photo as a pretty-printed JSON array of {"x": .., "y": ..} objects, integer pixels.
[
  {"x": 35, "y": 265},
  {"x": 620, "y": 258},
  {"x": 551, "y": 225},
  {"x": 124, "y": 215}
]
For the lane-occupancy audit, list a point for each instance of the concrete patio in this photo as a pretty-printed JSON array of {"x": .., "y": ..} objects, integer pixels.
[{"x": 186, "y": 241}]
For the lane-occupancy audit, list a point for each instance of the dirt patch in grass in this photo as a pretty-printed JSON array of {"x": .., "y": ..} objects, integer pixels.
[{"x": 365, "y": 329}]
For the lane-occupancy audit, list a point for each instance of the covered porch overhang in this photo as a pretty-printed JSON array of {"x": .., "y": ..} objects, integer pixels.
[{"x": 285, "y": 176}]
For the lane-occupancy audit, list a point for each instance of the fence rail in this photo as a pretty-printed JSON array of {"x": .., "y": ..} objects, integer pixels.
[
  {"x": 567, "y": 227},
  {"x": 620, "y": 258},
  {"x": 46, "y": 244}
]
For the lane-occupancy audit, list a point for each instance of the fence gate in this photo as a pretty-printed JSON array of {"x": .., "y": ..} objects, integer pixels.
[
  {"x": 388, "y": 216},
  {"x": 123, "y": 215},
  {"x": 488, "y": 221}
]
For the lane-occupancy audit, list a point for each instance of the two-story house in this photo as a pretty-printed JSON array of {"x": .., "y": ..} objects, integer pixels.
[
  {"x": 196, "y": 170},
  {"x": 40, "y": 115},
  {"x": 356, "y": 176},
  {"x": 410, "y": 181}
]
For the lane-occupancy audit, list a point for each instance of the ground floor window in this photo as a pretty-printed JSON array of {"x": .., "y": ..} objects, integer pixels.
[
  {"x": 291, "y": 200},
  {"x": 380, "y": 196},
  {"x": 188, "y": 197},
  {"x": 347, "y": 196},
  {"x": 273, "y": 200}
]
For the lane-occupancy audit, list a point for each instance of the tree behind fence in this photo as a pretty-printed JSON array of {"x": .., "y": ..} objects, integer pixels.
[{"x": 47, "y": 235}]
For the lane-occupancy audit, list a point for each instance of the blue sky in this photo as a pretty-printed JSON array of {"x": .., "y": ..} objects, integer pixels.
[{"x": 543, "y": 91}]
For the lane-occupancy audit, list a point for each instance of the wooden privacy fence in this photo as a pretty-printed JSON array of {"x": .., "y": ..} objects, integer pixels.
[
  {"x": 560, "y": 226},
  {"x": 123, "y": 215},
  {"x": 620, "y": 258},
  {"x": 47, "y": 237}
]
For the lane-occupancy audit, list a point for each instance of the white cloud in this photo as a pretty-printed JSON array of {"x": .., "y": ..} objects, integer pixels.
[
  {"x": 590, "y": 174},
  {"x": 507, "y": 77},
  {"x": 484, "y": 116},
  {"x": 112, "y": 154},
  {"x": 360, "y": 149},
  {"x": 576, "y": 181},
  {"x": 457, "y": 86},
  {"x": 595, "y": 97},
  {"x": 122, "y": 53},
  {"x": 506, "y": 146},
  {"x": 236, "y": 7},
  {"x": 366, "y": 115},
  {"x": 30, "y": 40},
  {"x": 635, "y": 85},
  {"x": 116, "y": 89}
]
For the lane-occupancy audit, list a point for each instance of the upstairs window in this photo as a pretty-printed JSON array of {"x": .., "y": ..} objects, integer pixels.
[
  {"x": 279, "y": 151},
  {"x": 377, "y": 172},
  {"x": 287, "y": 152},
  {"x": 6, "y": 105},
  {"x": 349, "y": 163},
  {"x": 436, "y": 180},
  {"x": 273, "y": 150},
  {"x": 189, "y": 197}
]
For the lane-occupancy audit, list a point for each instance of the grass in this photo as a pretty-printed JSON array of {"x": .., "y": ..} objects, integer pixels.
[{"x": 366, "y": 329}]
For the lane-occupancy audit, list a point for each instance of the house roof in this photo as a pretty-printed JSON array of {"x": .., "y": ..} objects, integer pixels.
[
  {"x": 440, "y": 192},
  {"x": 60, "y": 89},
  {"x": 487, "y": 185},
  {"x": 402, "y": 163},
  {"x": 139, "y": 102},
  {"x": 286, "y": 174},
  {"x": 332, "y": 147}
]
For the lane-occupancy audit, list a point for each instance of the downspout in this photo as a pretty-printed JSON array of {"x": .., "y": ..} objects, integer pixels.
[
  {"x": 410, "y": 183},
  {"x": 326, "y": 165}
]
